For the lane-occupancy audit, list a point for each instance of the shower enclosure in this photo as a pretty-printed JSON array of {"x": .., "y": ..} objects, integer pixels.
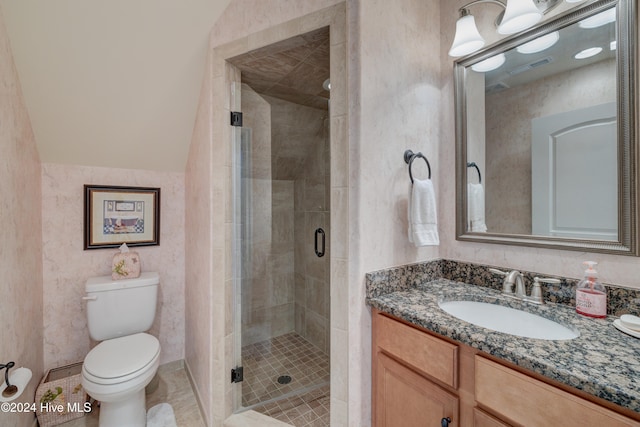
[{"x": 281, "y": 230}]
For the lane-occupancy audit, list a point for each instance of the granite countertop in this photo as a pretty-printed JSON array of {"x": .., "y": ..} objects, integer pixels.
[{"x": 602, "y": 361}]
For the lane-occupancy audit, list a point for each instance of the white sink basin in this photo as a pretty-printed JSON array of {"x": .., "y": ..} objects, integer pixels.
[{"x": 508, "y": 320}]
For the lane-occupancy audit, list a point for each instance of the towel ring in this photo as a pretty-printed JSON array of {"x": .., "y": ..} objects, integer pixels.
[
  {"x": 474, "y": 165},
  {"x": 410, "y": 156}
]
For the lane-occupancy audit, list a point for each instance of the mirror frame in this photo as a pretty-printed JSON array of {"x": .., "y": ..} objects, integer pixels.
[{"x": 626, "y": 74}]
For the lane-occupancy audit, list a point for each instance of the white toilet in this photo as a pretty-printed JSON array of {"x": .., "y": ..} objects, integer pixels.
[{"x": 116, "y": 371}]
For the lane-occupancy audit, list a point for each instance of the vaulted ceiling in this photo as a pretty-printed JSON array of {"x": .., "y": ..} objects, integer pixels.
[{"x": 113, "y": 83}]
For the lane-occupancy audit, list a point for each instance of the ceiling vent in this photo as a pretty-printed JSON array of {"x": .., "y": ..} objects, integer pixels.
[
  {"x": 495, "y": 88},
  {"x": 530, "y": 66}
]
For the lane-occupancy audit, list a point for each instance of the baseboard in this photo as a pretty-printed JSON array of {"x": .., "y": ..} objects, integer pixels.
[
  {"x": 196, "y": 393},
  {"x": 171, "y": 366}
]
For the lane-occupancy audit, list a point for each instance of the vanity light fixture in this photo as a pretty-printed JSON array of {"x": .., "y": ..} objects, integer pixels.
[
  {"x": 518, "y": 15},
  {"x": 467, "y": 39},
  {"x": 489, "y": 64},
  {"x": 588, "y": 53},
  {"x": 599, "y": 19},
  {"x": 539, "y": 44}
]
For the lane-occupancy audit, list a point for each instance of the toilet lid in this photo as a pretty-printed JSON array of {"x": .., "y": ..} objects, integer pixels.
[{"x": 122, "y": 356}]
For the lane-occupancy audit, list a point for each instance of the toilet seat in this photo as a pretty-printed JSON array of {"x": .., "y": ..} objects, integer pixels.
[{"x": 121, "y": 359}]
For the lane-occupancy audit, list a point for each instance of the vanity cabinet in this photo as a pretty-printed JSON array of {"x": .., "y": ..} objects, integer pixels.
[
  {"x": 409, "y": 399},
  {"x": 531, "y": 402},
  {"x": 420, "y": 378},
  {"x": 415, "y": 376}
]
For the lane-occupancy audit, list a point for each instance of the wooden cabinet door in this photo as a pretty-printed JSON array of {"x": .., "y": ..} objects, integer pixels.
[
  {"x": 482, "y": 419},
  {"x": 404, "y": 398}
]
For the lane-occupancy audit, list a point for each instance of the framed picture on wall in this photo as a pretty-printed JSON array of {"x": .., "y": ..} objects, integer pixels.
[{"x": 117, "y": 215}]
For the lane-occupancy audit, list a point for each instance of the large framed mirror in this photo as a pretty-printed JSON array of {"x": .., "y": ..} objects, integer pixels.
[{"x": 546, "y": 150}]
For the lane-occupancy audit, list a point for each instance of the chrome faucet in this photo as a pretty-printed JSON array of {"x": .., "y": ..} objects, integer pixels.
[{"x": 514, "y": 277}]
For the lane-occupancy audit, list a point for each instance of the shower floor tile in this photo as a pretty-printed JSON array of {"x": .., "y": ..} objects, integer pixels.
[{"x": 287, "y": 355}]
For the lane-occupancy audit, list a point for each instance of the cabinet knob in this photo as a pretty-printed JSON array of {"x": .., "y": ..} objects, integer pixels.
[{"x": 445, "y": 422}]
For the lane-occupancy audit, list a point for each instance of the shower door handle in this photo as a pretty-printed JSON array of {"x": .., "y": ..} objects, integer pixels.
[{"x": 319, "y": 250}]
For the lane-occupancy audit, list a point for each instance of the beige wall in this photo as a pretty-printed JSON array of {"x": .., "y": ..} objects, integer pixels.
[
  {"x": 393, "y": 86},
  {"x": 209, "y": 292},
  {"x": 398, "y": 81},
  {"x": 43, "y": 273},
  {"x": 67, "y": 266},
  {"x": 613, "y": 269},
  {"x": 400, "y": 95},
  {"x": 509, "y": 114},
  {"x": 206, "y": 312},
  {"x": 20, "y": 245}
]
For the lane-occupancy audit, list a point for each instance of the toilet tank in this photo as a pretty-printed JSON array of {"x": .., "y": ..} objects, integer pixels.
[{"x": 116, "y": 308}]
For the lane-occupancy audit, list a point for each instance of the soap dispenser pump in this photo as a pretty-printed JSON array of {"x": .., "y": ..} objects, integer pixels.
[{"x": 591, "y": 295}]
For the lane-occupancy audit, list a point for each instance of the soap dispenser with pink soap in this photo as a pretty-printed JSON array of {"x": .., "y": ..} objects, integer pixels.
[{"x": 591, "y": 295}]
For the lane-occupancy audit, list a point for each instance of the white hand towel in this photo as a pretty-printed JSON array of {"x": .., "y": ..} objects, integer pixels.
[
  {"x": 475, "y": 208},
  {"x": 423, "y": 220}
]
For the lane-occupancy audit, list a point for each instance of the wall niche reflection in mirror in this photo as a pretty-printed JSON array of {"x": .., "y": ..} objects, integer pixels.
[{"x": 544, "y": 121}]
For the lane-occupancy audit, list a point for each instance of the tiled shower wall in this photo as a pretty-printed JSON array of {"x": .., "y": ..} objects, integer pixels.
[
  {"x": 267, "y": 245},
  {"x": 311, "y": 183},
  {"x": 285, "y": 285}
]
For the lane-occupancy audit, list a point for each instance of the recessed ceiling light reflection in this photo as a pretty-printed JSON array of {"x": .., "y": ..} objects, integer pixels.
[
  {"x": 588, "y": 53},
  {"x": 613, "y": 45},
  {"x": 539, "y": 44},
  {"x": 599, "y": 20},
  {"x": 489, "y": 63}
]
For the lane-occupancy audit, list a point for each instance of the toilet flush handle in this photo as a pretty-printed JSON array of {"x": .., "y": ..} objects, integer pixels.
[{"x": 91, "y": 298}]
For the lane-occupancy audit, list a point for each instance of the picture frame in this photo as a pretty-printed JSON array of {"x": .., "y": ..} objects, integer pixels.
[{"x": 114, "y": 215}]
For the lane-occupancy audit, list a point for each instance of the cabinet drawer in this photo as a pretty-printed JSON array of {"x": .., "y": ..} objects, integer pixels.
[
  {"x": 427, "y": 354},
  {"x": 525, "y": 400}
]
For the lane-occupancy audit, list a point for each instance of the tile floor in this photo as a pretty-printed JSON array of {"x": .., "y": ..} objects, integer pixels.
[
  {"x": 309, "y": 409},
  {"x": 173, "y": 387},
  {"x": 287, "y": 355},
  {"x": 263, "y": 363}
]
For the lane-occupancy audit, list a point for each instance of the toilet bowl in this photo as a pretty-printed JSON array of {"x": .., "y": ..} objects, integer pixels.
[
  {"x": 116, "y": 372},
  {"x": 119, "y": 368}
]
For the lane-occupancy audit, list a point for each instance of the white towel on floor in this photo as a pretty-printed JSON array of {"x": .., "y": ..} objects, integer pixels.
[
  {"x": 423, "y": 220},
  {"x": 161, "y": 415},
  {"x": 475, "y": 208}
]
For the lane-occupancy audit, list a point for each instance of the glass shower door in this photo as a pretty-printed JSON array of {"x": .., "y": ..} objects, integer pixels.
[{"x": 277, "y": 361}]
